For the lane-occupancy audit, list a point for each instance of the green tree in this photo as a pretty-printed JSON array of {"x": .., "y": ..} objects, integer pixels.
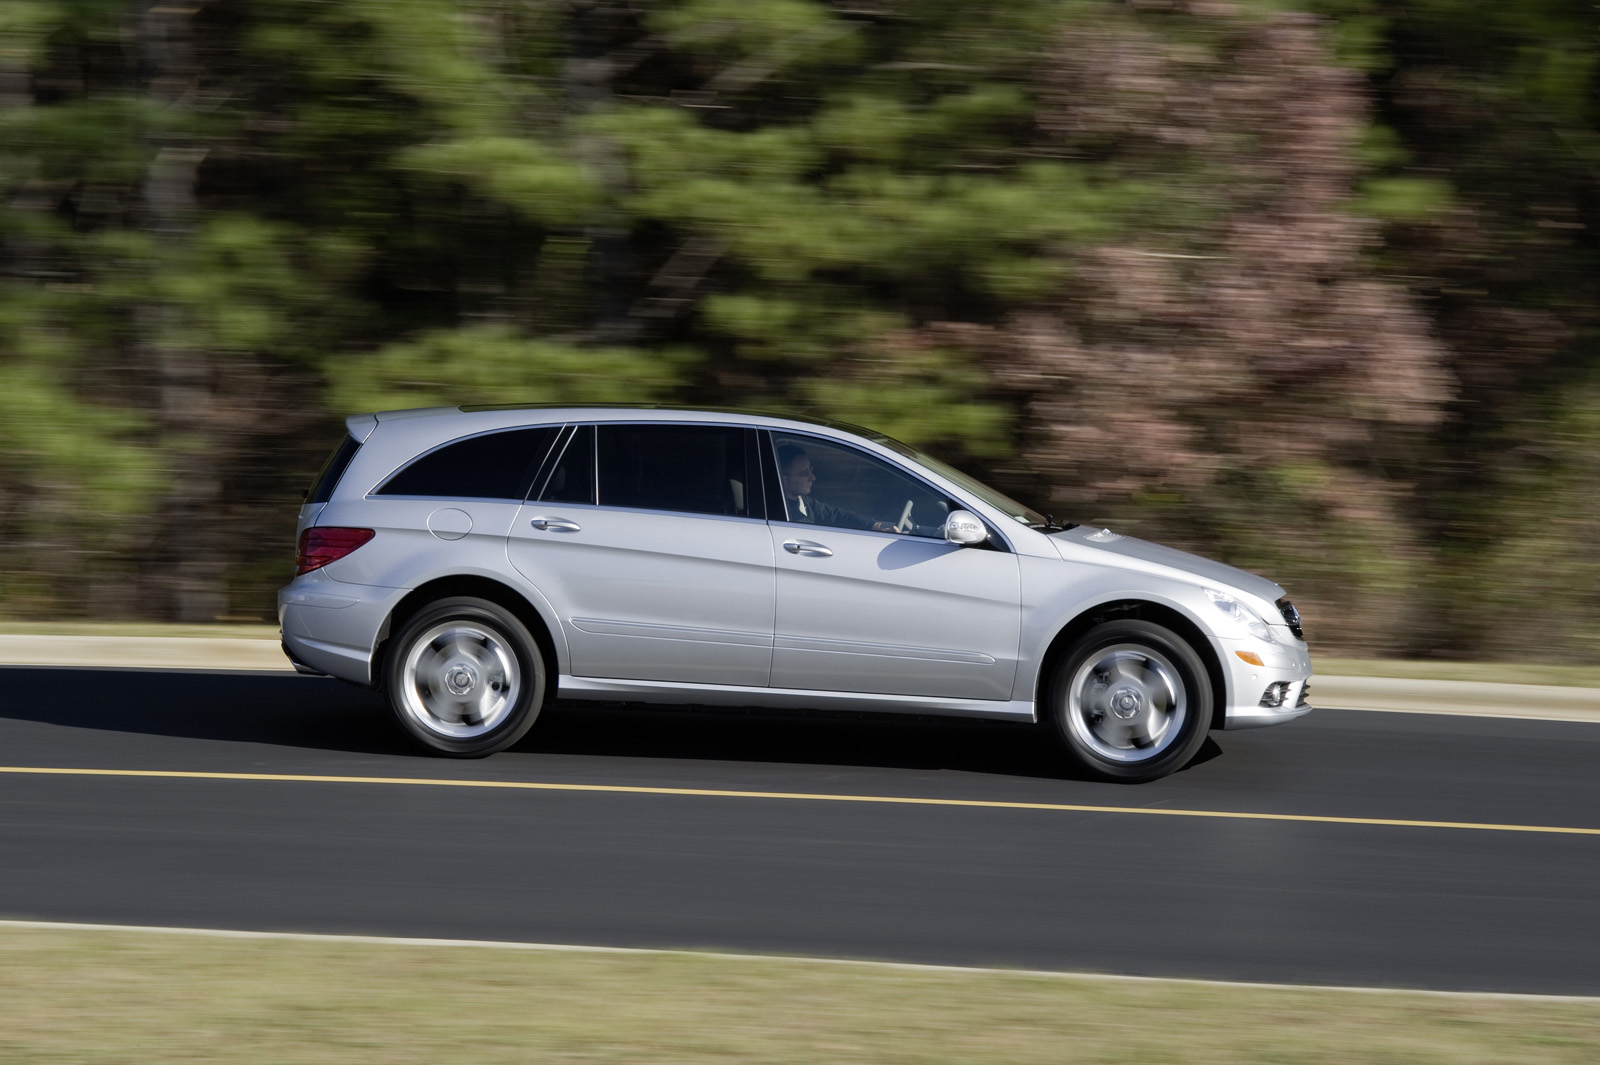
[
  {"x": 1312, "y": 292},
  {"x": 1487, "y": 175}
]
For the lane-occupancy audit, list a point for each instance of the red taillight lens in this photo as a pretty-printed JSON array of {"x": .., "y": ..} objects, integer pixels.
[{"x": 321, "y": 545}]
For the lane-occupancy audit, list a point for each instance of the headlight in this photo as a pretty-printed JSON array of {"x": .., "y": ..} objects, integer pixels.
[{"x": 1241, "y": 615}]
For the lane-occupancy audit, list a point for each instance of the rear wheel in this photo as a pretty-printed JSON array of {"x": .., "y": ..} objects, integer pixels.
[
  {"x": 1130, "y": 701},
  {"x": 465, "y": 678}
]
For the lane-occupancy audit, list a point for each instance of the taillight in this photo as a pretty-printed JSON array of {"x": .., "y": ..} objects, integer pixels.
[{"x": 320, "y": 545}]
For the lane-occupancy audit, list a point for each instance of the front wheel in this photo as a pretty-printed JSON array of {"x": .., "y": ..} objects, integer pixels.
[
  {"x": 465, "y": 678},
  {"x": 1131, "y": 701}
]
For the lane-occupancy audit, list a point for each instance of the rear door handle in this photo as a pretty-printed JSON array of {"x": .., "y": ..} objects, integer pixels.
[
  {"x": 555, "y": 525},
  {"x": 807, "y": 547}
]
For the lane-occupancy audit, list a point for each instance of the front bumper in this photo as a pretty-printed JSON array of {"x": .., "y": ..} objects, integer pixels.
[{"x": 1249, "y": 684}]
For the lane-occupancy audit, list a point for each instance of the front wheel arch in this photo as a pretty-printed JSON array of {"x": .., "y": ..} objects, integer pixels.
[
  {"x": 1130, "y": 701},
  {"x": 1134, "y": 610}
]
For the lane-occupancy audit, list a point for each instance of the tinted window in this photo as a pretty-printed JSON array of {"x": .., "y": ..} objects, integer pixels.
[
  {"x": 328, "y": 478},
  {"x": 824, "y": 483},
  {"x": 700, "y": 469},
  {"x": 492, "y": 466},
  {"x": 572, "y": 479}
]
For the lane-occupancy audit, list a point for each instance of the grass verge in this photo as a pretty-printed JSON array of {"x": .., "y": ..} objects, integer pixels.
[
  {"x": 1487, "y": 672},
  {"x": 137, "y": 628},
  {"x": 111, "y": 996}
]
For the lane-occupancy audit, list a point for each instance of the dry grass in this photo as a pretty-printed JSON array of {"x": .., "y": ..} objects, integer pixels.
[
  {"x": 104, "y": 996},
  {"x": 1489, "y": 672},
  {"x": 138, "y": 628}
]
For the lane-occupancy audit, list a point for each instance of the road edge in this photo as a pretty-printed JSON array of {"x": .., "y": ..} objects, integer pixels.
[
  {"x": 254, "y": 655},
  {"x": 730, "y": 956}
]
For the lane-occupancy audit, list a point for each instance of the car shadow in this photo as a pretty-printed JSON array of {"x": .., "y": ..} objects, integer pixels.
[
  {"x": 897, "y": 741},
  {"x": 900, "y": 741},
  {"x": 316, "y": 713},
  {"x": 282, "y": 709}
]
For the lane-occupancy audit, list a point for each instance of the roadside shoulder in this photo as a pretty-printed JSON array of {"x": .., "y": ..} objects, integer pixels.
[
  {"x": 255, "y": 649},
  {"x": 1465, "y": 697}
]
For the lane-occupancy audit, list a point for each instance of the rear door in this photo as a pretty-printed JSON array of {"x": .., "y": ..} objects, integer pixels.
[
  {"x": 649, "y": 540},
  {"x": 862, "y": 607}
]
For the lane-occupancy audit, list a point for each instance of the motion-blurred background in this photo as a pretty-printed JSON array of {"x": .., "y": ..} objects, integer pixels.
[{"x": 1306, "y": 285}]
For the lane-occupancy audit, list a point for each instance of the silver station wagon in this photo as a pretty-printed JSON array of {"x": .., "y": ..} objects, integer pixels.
[{"x": 477, "y": 563}]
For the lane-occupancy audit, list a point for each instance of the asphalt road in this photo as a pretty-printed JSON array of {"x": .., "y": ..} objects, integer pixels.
[{"x": 1217, "y": 896}]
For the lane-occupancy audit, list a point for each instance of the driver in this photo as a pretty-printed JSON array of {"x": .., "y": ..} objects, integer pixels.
[{"x": 798, "y": 479}]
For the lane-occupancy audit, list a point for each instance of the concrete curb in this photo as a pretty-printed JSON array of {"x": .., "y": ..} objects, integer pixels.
[
  {"x": 1469, "y": 698},
  {"x": 222, "y": 654},
  {"x": 226, "y": 654}
]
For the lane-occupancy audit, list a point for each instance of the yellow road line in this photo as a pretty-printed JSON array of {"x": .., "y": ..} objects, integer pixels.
[{"x": 899, "y": 800}]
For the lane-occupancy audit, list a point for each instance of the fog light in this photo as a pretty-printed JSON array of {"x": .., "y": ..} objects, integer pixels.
[{"x": 1275, "y": 695}]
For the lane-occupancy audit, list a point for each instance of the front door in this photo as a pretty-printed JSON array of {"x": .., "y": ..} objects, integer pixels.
[{"x": 870, "y": 597}]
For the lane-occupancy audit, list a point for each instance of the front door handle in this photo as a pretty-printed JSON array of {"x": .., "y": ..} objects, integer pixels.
[
  {"x": 555, "y": 525},
  {"x": 807, "y": 547}
]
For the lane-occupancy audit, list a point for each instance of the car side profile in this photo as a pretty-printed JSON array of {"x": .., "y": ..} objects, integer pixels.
[{"x": 477, "y": 563}]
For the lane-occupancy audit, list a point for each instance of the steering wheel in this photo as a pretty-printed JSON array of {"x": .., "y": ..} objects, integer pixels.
[{"x": 904, "y": 524}]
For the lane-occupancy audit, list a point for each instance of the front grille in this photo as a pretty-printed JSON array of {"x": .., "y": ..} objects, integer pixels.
[{"x": 1291, "y": 617}]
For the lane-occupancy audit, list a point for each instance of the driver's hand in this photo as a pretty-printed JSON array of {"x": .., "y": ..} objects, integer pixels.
[{"x": 884, "y": 526}]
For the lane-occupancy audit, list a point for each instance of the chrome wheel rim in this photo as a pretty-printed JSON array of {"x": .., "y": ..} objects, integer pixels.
[
  {"x": 460, "y": 680},
  {"x": 1126, "y": 703}
]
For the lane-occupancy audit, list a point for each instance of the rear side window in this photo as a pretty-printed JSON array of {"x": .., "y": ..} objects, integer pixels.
[
  {"x": 328, "y": 477},
  {"x": 697, "y": 469},
  {"x": 491, "y": 466}
]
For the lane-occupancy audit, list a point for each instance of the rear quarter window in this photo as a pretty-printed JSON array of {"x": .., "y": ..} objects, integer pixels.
[
  {"x": 333, "y": 469},
  {"x": 498, "y": 465}
]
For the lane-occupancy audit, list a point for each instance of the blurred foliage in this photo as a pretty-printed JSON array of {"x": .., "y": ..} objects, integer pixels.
[
  {"x": 495, "y": 364},
  {"x": 1543, "y": 565},
  {"x": 1308, "y": 286}
]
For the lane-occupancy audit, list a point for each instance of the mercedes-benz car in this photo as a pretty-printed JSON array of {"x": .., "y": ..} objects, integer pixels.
[{"x": 478, "y": 563}]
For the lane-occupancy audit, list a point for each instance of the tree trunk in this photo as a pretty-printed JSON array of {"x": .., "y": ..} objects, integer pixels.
[
  {"x": 189, "y": 577},
  {"x": 588, "y": 77}
]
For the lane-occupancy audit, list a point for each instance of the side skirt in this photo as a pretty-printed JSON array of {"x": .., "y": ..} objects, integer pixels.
[{"x": 607, "y": 689}]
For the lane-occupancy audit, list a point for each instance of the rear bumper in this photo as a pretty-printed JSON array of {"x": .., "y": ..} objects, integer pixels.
[
  {"x": 299, "y": 666},
  {"x": 330, "y": 628}
]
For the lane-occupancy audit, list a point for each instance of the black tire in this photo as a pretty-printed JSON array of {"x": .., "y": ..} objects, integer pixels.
[
  {"x": 464, "y": 677},
  {"x": 1130, "y": 700}
]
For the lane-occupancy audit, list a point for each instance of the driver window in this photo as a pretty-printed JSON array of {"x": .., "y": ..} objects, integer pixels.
[{"x": 829, "y": 484}]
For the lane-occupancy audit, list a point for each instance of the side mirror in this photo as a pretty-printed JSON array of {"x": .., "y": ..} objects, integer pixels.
[{"x": 964, "y": 528}]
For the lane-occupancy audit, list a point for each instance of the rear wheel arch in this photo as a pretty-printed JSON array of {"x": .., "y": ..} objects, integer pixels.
[
  {"x": 494, "y": 591},
  {"x": 1135, "y": 610}
]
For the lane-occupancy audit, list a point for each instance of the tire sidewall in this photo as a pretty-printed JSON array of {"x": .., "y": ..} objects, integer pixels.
[
  {"x": 521, "y": 643},
  {"x": 1198, "y": 696}
]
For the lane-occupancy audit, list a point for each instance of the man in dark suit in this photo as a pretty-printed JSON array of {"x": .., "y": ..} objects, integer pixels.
[{"x": 798, "y": 480}]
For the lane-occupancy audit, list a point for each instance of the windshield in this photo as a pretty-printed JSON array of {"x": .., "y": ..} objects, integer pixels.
[{"x": 998, "y": 500}]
